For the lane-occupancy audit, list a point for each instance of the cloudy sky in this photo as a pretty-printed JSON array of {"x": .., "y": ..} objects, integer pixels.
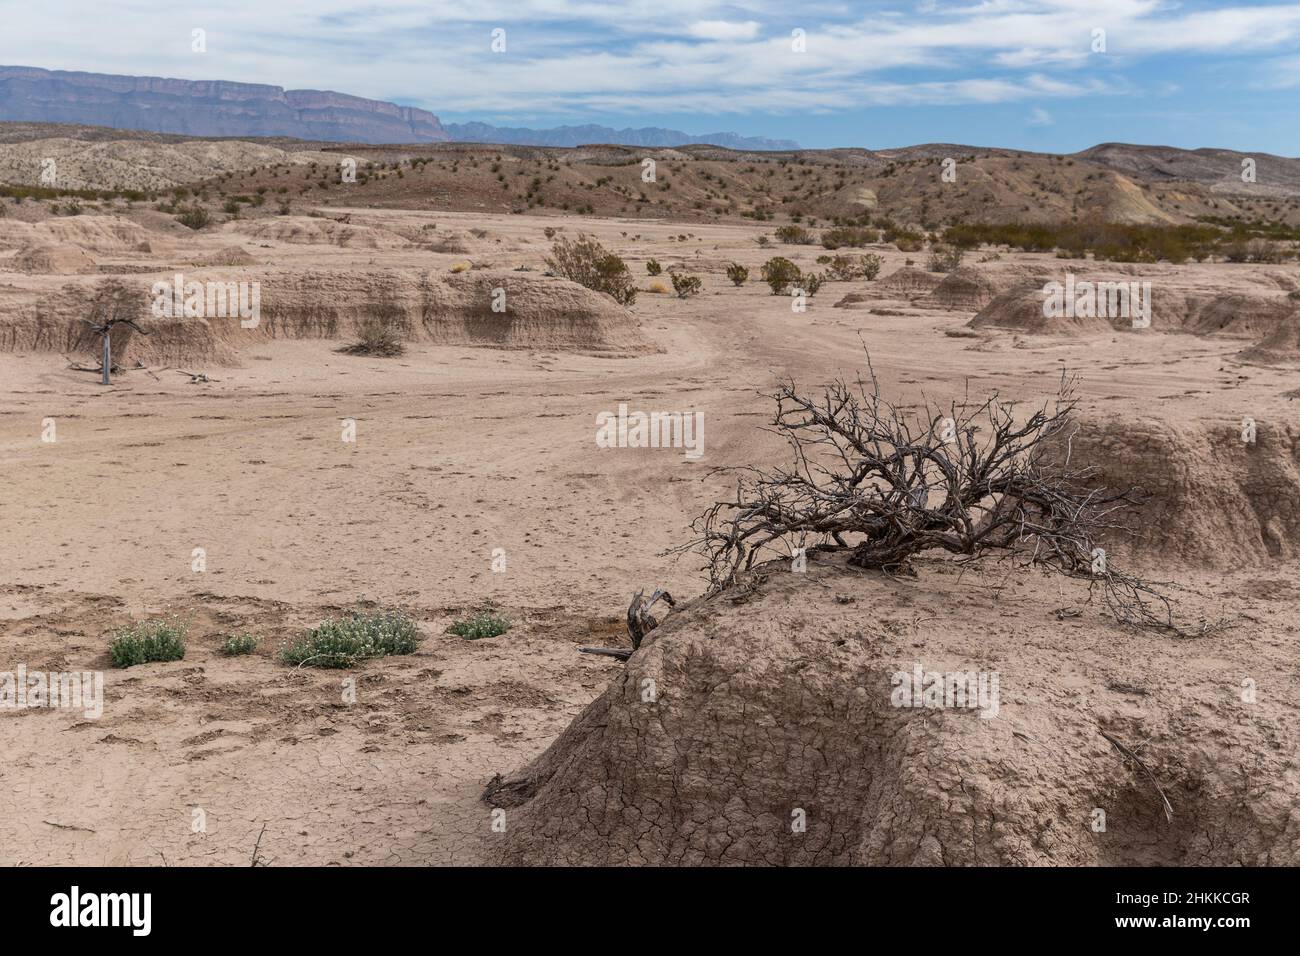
[{"x": 1036, "y": 74}]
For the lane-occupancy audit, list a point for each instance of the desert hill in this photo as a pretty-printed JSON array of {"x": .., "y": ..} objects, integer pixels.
[{"x": 1129, "y": 184}]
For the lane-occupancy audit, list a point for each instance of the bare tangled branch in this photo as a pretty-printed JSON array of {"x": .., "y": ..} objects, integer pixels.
[{"x": 974, "y": 480}]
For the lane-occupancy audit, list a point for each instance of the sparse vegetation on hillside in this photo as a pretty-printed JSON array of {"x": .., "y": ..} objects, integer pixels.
[{"x": 1123, "y": 242}]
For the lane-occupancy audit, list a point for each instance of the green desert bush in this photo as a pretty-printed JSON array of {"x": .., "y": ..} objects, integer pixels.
[
  {"x": 345, "y": 642},
  {"x": 811, "y": 282},
  {"x": 944, "y": 258},
  {"x": 869, "y": 266},
  {"x": 686, "y": 285},
  {"x": 737, "y": 273},
  {"x": 794, "y": 236},
  {"x": 653, "y": 267},
  {"x": 195, "y": 217},
  {"x": 588, "y": 263},
  {"x": 238, "y": 645},
  {"x": 779, "y": 273},
  {"x": 485, "y": 623},
  {"x": 146, "y": 642},
  {"x": 848, "y": 236},
  {"x": 844, "y": 268}
]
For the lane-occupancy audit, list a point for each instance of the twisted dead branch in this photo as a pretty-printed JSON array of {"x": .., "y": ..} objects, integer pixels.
[{"x": 975, "y": 479}]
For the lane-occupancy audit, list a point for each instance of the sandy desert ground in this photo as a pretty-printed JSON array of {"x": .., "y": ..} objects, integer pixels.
[{"x": 465, "y": 445}]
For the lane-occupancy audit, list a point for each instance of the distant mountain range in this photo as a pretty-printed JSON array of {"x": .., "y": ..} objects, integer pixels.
[{"x": 223, "y": 108}]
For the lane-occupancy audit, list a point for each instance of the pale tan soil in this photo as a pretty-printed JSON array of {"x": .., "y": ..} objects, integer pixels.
[{"x": 461, "y": 450}]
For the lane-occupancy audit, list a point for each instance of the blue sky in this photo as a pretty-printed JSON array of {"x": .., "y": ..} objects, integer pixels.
[{"x": 1032, "y": 74}]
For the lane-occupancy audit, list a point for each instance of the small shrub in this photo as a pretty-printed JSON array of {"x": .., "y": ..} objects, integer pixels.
[
  {"x": 658, "y": 287},
  {"x": 146, "y": 642},
  {"x": 869, "y": 266},
  {"x": 794, "y": 236},
  {"x": 195, "y": 217},
  {"x": 685, "y": 285},
  {"x": 944, "y": 258},
  {"x": 382, "y": 332},
  {"x": 811, "y": 283},
  {"x": 344, "y": 642},
  {"x": 238, "y": 645},
  {"x": 485, "y": 623},
  {"x": 652, "y": 266},
  {"x": 842, "y": 268},
  {"x": 779, "y": 273},
  {"x": 737, "y": 273},
  {"x": 848, "y": 236},
  {"x": 588, "y": 263}
]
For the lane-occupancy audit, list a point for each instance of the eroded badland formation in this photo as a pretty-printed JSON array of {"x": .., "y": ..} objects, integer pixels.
[{"x": 246, "y": 474}]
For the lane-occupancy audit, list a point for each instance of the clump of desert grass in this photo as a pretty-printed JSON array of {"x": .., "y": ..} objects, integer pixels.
[
  {"x": 146, "y": 642},
  {"x": 381, "y": 333},
  {"x": 484, "y": 623},
  {"x": 345, "y": 642},
  {"x": 237, "y": 645}
]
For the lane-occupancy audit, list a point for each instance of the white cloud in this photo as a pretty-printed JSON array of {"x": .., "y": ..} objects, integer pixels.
[
  {"x": 661, "y": 55},
  {"x": 725, "y": 30},
  {"x": 1040, "y": 117}
]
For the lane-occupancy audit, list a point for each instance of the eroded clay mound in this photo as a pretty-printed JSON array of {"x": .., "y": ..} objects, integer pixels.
[
  {"x": 62, "y": 259},
  {"x": 1213, "y": 499},
  {"x": 52, "y": 322},
  {"x": 229, "y": 256},
  {"x": 92, "y": 233},
  {"x": 909, "y": 281},
  {"x": 312, "y": 231},
  {"x": 855, "y": 300},
  {"x": 1280, "y": 348},
  {"x": 1021, "y": 307},
  {"x": 535, "y": 311},
  {"x": 538, "y": 312},
  {"x": 963, "y": 290},
  {"x": 1246, "y": 315},
  {"x": 749, "y": 713}
]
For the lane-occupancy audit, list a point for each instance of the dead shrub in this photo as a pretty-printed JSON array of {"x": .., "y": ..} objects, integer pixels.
[{"x": 977, "y": 479}]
